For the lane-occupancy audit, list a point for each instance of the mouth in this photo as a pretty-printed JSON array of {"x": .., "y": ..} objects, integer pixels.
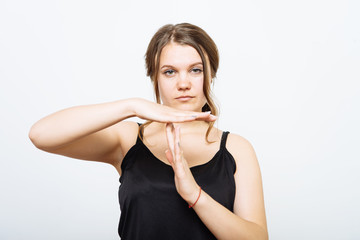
[{"x": 184, "y": 98}]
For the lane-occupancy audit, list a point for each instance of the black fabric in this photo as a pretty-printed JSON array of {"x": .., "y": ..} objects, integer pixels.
[{"x": 150, "y": 206}]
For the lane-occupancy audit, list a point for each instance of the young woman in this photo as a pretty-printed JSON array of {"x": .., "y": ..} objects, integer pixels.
[{"x": 181, "y": 178}]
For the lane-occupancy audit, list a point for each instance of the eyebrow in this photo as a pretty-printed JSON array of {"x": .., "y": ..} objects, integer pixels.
[{"x": 170, "y": 66}]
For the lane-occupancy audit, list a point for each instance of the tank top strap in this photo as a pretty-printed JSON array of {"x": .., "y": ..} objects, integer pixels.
[
  {"x": 223, "y": 139},
  {"x": 140, "y": 133}
]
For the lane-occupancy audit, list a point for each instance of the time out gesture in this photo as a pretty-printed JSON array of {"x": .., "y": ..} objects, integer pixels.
[{"x": 181, "y": 61}]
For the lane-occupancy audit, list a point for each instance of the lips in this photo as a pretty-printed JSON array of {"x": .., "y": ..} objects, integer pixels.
[{"x": 184, "y": 98}]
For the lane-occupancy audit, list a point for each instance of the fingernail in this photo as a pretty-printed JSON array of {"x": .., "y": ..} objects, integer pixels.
[{"x": 194, "y": 116}]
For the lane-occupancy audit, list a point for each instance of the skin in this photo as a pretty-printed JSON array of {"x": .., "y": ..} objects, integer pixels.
[
  {"x": 181, "y": 78},
  {"x": 176, "y": 137}
]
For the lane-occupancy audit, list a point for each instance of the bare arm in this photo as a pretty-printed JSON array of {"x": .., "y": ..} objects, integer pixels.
[
  {"x": 85, "y": 132},
  {"x": 248, "y": 222},
  {"x": 95, "y": 132}
]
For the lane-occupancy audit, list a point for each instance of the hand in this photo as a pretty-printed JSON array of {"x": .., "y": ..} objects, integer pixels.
[
  {"x": 185, "y": 183},
  {"x": 160, "y": 113}
]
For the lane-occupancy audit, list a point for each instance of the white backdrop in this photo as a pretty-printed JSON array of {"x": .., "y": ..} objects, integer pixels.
[{"x": 288, "y": 82}]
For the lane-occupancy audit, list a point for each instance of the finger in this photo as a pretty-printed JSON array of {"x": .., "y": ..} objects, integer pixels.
[
  {"x": 177, "y": 144},
  {"x": 170, "y": 137},
  {"x": 169, "y": 156},
  {"x": 184, "y": 117},
  {"x": 206, "y": 116},
  {"x": 193, "y": 116},
  {"x": 178, "y": 151}
]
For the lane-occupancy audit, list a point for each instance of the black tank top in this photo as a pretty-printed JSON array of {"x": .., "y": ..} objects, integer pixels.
[{"x": 150, "y": 206}]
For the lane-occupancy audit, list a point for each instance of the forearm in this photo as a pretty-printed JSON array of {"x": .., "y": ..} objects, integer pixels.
[
  {"x": 224, "y": 224},
  {"x": 73, "y": 123}
]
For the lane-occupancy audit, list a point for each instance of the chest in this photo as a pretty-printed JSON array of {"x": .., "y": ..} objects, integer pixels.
[
  {"x": 149, "y": 200},
  {"x": 147, "y": 178},
  {"x": 196, "y": 150}
]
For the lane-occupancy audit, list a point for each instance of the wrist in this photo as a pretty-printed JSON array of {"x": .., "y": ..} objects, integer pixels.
[
  {"x": 202, "y": 201},
  {"x": 130, "y": 106},
  {"x": 192, "y": 195},
  {"x": 192, "y": 204}
]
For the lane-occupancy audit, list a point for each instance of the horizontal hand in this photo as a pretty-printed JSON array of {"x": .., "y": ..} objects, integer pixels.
[{"x": 160, "y": 113}]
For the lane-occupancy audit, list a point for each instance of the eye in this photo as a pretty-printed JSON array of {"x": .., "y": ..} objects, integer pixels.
[
  {"x": 169, "y": 72},
  {"x": 196, "y": 70}
]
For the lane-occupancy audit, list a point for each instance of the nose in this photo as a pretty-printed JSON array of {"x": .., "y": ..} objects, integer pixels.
[{"x": 183, "y": 82}]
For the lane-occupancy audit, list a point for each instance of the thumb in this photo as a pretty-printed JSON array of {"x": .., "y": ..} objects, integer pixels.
[{"x": 169, "y": 156}]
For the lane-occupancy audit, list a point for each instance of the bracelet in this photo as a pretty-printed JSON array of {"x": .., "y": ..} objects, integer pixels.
[{"x": 190, "y": 206}]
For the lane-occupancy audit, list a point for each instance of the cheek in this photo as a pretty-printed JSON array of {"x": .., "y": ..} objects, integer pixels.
[
  {"x": 199, "y": 84},
  {"x": 164, "y": 90},
  {"x": 200, "y": 88}
]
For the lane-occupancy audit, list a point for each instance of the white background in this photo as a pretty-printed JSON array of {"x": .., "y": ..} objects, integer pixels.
[{"x": 288, "y": 82}]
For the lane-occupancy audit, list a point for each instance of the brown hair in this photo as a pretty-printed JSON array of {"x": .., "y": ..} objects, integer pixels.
[{"x": 194, "y": 36}]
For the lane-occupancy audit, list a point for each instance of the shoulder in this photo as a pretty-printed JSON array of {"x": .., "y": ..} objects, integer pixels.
[
  {"x": 238, "y": 143},
  {"x": 242, "y": 151},
  {"x": 127, "y": 126},
  {"x": 127, "y": 131}
]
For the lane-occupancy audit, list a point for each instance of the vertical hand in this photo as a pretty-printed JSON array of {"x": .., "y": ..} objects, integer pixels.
[{"x": 185, "y": 183}]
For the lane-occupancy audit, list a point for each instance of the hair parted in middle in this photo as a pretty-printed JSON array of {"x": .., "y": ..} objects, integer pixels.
[{"x": 194, "y": 36}]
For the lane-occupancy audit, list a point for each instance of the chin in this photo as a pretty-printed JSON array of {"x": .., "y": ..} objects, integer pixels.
[{"x": 188, "y": 107}]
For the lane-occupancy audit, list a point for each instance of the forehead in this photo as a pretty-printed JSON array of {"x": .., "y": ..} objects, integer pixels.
[{"x": 175, "y": 54}]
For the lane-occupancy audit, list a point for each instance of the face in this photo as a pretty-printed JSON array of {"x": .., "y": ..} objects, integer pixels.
[{"x": 181, "y": 78}]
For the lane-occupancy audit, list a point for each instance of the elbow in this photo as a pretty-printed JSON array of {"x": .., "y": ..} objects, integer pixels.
[
  {"x": 261, "y": 233},
  {"x": 264, "y": 234},
  {"x": 35, "y": 137}
]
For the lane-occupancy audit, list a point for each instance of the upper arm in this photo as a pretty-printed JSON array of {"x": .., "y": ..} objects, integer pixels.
[
  {"x": 249, "y": 198},
  {"x": 106, "y": 145}
]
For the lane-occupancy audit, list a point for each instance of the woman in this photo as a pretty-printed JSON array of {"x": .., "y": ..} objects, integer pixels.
[{"x": 181, "y": 178}]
